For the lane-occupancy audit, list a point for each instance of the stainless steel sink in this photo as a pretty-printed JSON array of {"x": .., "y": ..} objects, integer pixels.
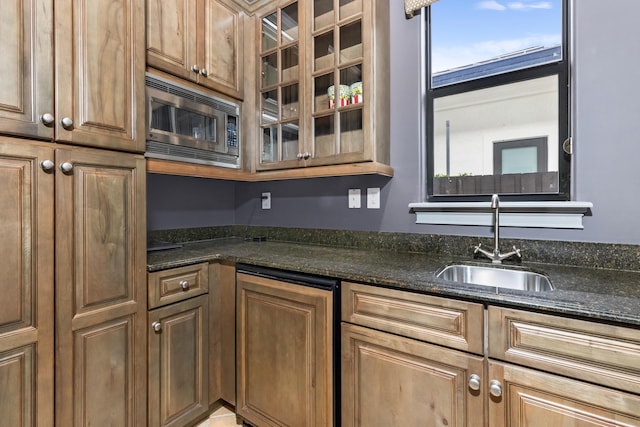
[{"x": 500, "y": 277}]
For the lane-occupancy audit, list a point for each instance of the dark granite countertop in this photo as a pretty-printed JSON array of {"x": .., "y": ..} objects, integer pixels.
[{"x": 607, "y": 295}]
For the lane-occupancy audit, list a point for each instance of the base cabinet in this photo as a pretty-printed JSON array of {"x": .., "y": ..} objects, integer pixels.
[
  {"x": 178, "y": 362},
  {"x": 578, "y": 373},
  {"x": 284, "y": 353},
  {"x": 389, "y": 380},
  {"x": 529, "y": 398}
]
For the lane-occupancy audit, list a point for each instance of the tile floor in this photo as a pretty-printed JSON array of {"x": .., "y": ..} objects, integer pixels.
[{"x": 223, "y": 417}]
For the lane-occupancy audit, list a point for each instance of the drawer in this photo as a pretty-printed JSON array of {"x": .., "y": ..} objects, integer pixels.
[
  {"x": 588, "y": 351},
  {"x": 177, "y": 284},
  {"x": 452, "y": 323}
]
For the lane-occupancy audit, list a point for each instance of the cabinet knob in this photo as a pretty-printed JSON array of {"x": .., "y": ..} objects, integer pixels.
[
  {"x": 156, "y": 326},
  {"x": 306, "y": 155},
  {"x": 66, "y": 123},
  {"x": 195, "y": 68},
  {"x": 204, "y": 72},
  {"x": 184, "y": 284},
  {"x": 66, "y": 167},
  {"x": 47, "y": 119},
  {"x": 474, "y": 382},
  {"x": 299, "y": 156},
  {"x": 47, "y": 165},
  {"x": 495, "y": 388}
]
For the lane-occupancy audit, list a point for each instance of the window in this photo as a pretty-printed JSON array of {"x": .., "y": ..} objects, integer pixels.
[{"x": 497, "y": 100}]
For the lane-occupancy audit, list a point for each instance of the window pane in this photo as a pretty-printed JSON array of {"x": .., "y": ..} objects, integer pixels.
[
  {"x": 498, "y": 36},
  {"x": 468, "y": 125}
]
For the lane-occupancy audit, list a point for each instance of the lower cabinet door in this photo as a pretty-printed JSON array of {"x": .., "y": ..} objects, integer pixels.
[
  {"x": 178, "y": 362},
  {"x": 388, "y": 380},
  {"x": 284, "y": 353},
  {"x": 523, "y": 397}
]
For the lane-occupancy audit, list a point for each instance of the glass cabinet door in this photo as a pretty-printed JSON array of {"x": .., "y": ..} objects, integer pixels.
[
  {"x": 337, "y": 79},
  {"x": 280, "y": 85}
]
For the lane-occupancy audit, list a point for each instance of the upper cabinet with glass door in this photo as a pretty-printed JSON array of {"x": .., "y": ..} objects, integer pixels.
[
  {"x": 279, "y": 84},
  {"x": 318, "y": 106}
]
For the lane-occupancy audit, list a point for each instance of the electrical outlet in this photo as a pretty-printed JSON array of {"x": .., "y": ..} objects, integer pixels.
[
  {"x": 354, "y": 198},
  {"x": 266, "y": 200},
  {"x": 373, "y": 198}
]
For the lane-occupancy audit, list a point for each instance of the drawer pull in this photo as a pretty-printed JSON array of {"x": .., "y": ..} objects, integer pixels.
[
  {"x": 474, "y": 382},
  {"x": 184, "y": 284}
]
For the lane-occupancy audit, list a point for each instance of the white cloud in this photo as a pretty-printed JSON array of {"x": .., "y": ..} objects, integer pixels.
[
  {"x": 491, "y": 5},
  {"x": 514, "y": 5},
  {"x": 519, "y": 5}
]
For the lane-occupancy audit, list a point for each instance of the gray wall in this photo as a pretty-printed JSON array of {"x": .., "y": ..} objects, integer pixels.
[
  {"x": 184, "y": 202},
  {"x": 607, "y": 149}
]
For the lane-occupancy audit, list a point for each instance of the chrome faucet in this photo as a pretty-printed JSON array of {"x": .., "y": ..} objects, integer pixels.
[{"x": 496, "y": 257}]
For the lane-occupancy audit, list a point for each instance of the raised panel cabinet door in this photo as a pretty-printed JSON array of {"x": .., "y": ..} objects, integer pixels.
[
  {"x": 101, "y": 295},
  {"x": 388, "y": 380},
  {"x": 530, "y": 398},
  {"x": 99, "y": 73},
  {"x": 284, "y": 353},
  {"x": 178, "y": 362},
  {"x": 26, "y": 86},
  {"x": 26, "y": 281},
  {"x": 171, "y": 37},
  {"x": 220, "y": 46}
]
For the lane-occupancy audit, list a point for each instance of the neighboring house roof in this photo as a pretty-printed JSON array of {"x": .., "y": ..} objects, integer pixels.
[{"x": 502, "y": 64}]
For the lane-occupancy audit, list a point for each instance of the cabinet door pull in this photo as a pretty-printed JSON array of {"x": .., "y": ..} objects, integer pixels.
[
  {"x": 66, "y": 123},
  {"x": 66, "y": 168},
  {"x": 47, "y": 119},
  {"x": 204, "y": 72},
  {"x": 474, "y": 382},
  {"x": 156, "y": 326},
  {"x": 47, "y": 165},
  {"x": 195, "y": 68},
  {"x": 495, "y": 388}
]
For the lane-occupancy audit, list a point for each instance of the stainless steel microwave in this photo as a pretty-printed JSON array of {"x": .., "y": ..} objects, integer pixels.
[{"x": 191, "y": 126}]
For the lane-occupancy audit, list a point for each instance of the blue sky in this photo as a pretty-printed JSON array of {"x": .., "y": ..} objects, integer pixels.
[{"x": 468, "y": 31}]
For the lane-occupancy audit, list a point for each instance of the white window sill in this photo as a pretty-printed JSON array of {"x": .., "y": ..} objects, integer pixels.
[{"x": 512, "y": 214}]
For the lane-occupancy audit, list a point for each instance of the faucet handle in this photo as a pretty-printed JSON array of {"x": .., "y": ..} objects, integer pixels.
[{"x": 517, "y": 252}]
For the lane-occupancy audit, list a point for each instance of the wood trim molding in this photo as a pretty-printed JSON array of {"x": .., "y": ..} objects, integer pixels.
[{"x": 168, "y": 167}]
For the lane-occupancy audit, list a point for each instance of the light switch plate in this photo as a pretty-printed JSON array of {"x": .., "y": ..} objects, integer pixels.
[
  {"x": 354, "y": 198},
  {"x": 266, "y": 200},
  {"x": 373, "y": 198}
]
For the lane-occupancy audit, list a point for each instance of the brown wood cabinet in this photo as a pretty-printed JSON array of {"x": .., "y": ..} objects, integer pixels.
[
  {"x": 538, "y": 370},
  {"x": 178, "y": 362},
  {"x": 90, "y": 55},
  {"x": 531, "y": 398},
  {"x": 391, "y": 376},
  {"x": 284, "y": 353},
  {"x": 201, "y": 41},
  {"x": 101, "y": 298},
  {"x": 27, "y": 272},
  {"x": 388, "y": 380},
  {"x": 222, "y": 333},
  {"x": 322, "y": 85},
  {"x": 26, "y": 86}
]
